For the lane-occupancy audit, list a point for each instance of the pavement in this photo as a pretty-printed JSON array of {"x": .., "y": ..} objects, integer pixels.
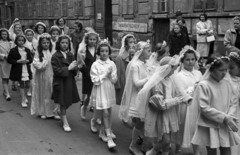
[{"x": 23, "y": 134}]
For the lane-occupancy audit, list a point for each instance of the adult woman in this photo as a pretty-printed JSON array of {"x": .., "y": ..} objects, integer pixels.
[
  {"x": 176, "y": 40},
  {"x": 204, "y": 29},
  {"x": 77, "y": 36},
  {"x": 184, "y": 29},
  {"x": 61, "y": 23}
]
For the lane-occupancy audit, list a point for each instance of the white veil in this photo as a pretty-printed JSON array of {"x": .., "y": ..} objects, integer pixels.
[
  {"x": 122, "y": 49},
  {"x": 127, "y": 93}
]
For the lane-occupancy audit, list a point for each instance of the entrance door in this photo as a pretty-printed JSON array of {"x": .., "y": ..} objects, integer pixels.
[
  {"x": 161, "y": 30},
  {"x": 103, "y": 16}
]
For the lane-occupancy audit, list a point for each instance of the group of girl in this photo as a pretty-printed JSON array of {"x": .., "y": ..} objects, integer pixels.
[{"x": 167, "y": 100}]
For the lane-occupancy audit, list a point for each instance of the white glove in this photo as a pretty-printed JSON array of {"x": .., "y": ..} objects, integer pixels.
[{"x": 72, "y": 65}]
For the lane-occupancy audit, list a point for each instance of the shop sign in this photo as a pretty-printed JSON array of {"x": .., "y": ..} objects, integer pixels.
[{"x": 130, "y": 26}]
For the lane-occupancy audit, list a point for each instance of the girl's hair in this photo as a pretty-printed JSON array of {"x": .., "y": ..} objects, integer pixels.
[
  {"x": 88, "y": 35},
  {"x": 57, "y": 21},
  {"x": 19, "y": 36},
  {"x": 216, "y": 60},
  {"x": 58, "y": 48},
  {"x": 36, "y": 28},
  {"x": 28, "y": 30},
  {"x": 188, "y": 52},
  {"x": 8, "y": 38},
  {"x": 40, "y": 48},
  {"x": 203, "y": 14},
  {"x": 54, "y": 29},
  {"x": 236, "y": 18},
  {"x": 183, "y": 21},
  {"x": 126, "y": 41},
  {"x": 160, "y": 49},
  {"x": 104, "y": 45},
  {"x": 79, "y": 24},
  {"x": 235, "y": 59}
]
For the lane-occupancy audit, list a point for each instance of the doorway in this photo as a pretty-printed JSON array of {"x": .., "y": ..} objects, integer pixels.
[
  {"x": 103, "y": 16},
  {"x": 161, "y": 30}
]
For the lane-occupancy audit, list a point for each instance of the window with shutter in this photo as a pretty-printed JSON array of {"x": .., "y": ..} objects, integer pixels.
[
  {"x": 160, "y": 6},
  {"x": 204, "y": 5}
]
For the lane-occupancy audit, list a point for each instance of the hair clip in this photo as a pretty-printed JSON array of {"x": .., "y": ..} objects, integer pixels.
[
  {"x": 28, "y": 30},
  {"x": 219, "y": 58},
  {"x": 104, "y": 42},
  {"x": 45, "y": 35},
  {"x": 54, "y": 27}
]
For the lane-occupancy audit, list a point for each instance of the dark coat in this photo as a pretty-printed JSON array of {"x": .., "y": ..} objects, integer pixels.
[
  {"x": 65, "y": 90},
  {"x": 16, "y": 70},
  {"x": 176, "y": 43},
  {"x": 185, "y": 31},
  {"x": 76, "y": 40},
  {"x": 86, "y": 79}
]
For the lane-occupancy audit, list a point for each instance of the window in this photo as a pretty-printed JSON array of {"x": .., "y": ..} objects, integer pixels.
[
  {"x": 78, "y": 7},
  {"x": 200, "y": 5},
  {"x": 159, "y": 6},
  {"x": 127, "y": 7}
]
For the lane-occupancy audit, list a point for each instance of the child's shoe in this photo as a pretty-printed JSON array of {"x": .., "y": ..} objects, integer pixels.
[
  {"x": 66, "y": 128},
  {"x": 113, "y": 136},
  {"x": 99, "y": 122},
  {"x": 93, "y": 127},
  {"x": 43, "y": 117},
  {"x": 83, "y": 113},
  {"x": 110, "y": 143},
  {"x": 102, "y": 135},
  {"x": 24, "y": 104}
]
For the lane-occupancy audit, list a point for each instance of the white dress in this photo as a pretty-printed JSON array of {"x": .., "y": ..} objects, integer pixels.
[
  {"x": 42, "y": 104},
  {"x": 103, "y": 91},
  {"x": 187, "y": 81},
  {"x": 236, "y": 82}
]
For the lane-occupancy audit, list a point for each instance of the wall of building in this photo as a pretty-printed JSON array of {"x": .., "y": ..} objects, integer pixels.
[
  {"x": 47, "y": 11},
  {"x": 148, "y": 12}
]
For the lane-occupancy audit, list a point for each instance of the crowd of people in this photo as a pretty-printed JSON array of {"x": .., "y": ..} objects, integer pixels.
[{"x": 161, "y": 93}]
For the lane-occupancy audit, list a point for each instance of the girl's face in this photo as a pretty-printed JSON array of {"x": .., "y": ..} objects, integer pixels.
[
  {"x": 54, "y": 35},
  {"x": 104, "y": 53},
  {"x": 146, "y": 53},
  {"x": 40, "y": 29},
  {"x": 234, "y": 69},
  {"x": 202, "y": 18},
  {"x": 64, "y": 44},
  {"x": 29, "y": 36},
  {"x": 189, "y": 61},
  {"x": 130, "y": 42},
  {"x": 20, "y": 41},
  {"x": 76, "y": 28},
  {"x": 92, "y": 40},
  {"x": 17, "y": 29},
  {"x": 131, "y": 53},
  {"x": 4, "y": 35},
  {"x": 45, "y": 44},
  {"x": 219, "y": 73},
  {"x": 176, "y": 29},
  {"x": 61, "y": 22}
]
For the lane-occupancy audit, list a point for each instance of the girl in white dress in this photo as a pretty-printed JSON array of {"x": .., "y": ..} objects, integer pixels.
[
  {"x": 161, "y": 113},
  {"x": 5, "y": 46},
  {"x": 54, "y": 32},
  {"x": 234, "y": 71},
  {"x": 31, "y": 44},
  {"x": 42, "y": 104},
  {"x": 103, "y": 75},
  {"x": 136, "y": 77},
  {"x": 187, "y": 78},
  {"x": 216, "y": 124}
]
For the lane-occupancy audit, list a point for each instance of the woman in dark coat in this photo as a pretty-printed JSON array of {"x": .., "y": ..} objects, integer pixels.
[
  {"x": 65, "y": 91},
  {"x": 21, "y": 58},
  {"x": 184, "y": 29},
  {"x": 176, "y": 40}
]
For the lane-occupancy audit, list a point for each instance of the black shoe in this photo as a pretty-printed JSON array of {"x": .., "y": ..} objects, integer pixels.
[
  {"x": 91, "y": 109},
  {"x": 14, "y": 88},
  {"x": 140, "y": 140},
  {"x": 8, "y": 98}
]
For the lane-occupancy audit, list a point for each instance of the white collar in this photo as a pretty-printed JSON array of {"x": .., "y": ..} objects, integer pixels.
[
  {"x": 188, "y": 73},
  {"x": 104, "y": 62}
]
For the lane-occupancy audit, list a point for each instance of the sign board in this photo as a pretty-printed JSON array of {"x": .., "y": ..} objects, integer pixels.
[{"x": 130, "y": 26}]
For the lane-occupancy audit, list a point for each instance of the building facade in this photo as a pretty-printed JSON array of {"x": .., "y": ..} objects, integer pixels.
[
  {"x": 150, "y": 19},
  {"x": 147, "y": 19}
]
